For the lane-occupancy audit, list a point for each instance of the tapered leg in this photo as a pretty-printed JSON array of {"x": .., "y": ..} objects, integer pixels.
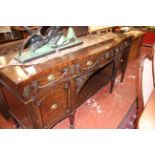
[
  {"x": 124, "y": 64},
  {"x": 122, "y": 77},
  {"x": 113, "y": 77},
  {"x": 112, "y": 85},
  {"x": 123, "y": 70},
  {"x": 71, "y": 120}
]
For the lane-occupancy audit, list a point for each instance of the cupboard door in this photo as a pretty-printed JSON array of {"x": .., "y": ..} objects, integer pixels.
[{"x": 54, "y": 105}]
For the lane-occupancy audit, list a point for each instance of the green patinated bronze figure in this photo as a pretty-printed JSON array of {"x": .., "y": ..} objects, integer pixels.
[{"x": 38, "y": 45}]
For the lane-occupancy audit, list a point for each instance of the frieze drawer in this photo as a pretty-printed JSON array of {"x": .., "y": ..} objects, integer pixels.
[
  {"x": 52, "y": 78},
  {"x": 88, "y": 65},
  {"x": 106, "y": 58},
  {"x": 44, "y": 83},
  {"x": 53, "y": 106}
]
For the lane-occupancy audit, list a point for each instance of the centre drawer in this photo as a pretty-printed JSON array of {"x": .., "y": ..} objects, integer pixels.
[
  {"x": 88, "y": 65},
  {"x": 54, "y": 105},
  {"x": 106, "y": 58}
]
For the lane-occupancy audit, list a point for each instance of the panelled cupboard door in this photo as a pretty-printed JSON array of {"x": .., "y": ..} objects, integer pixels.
[{"x": 54, "y": 105}]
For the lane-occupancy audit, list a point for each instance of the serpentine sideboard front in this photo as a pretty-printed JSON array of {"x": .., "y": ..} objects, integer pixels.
[{"x": 40, "y": 95}]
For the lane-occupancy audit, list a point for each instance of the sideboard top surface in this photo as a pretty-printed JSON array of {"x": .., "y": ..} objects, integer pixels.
[{"x": 18, "y": 75}]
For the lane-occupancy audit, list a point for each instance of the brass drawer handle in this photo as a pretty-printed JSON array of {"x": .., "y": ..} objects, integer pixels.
[
  {"x": 51, "y": 77},
  {"x": 52, "y": 80},
  {"x": 54, "y": 106},
  {"x": 89, "y": 63}
]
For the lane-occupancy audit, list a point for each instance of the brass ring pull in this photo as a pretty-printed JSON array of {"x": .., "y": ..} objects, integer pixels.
[
  {"x": 89, "y": 63},
  {"x": 51, "y": 77},
  {"x": 54, "y": 106},
  {"x": 52, "y": 80}
]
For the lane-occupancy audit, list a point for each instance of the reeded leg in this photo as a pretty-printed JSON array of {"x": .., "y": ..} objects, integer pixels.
[{"x": 71, "y": 120}]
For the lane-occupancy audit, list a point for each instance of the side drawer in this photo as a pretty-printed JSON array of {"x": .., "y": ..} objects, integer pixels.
[
  {"x": 54, "y": 105},
  {"x": 44, "y": 84},
  {"x": 52, "y": 78}
]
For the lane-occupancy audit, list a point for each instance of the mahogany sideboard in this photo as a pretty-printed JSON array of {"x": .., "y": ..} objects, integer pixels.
[{"x": 56, "y": 87}]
